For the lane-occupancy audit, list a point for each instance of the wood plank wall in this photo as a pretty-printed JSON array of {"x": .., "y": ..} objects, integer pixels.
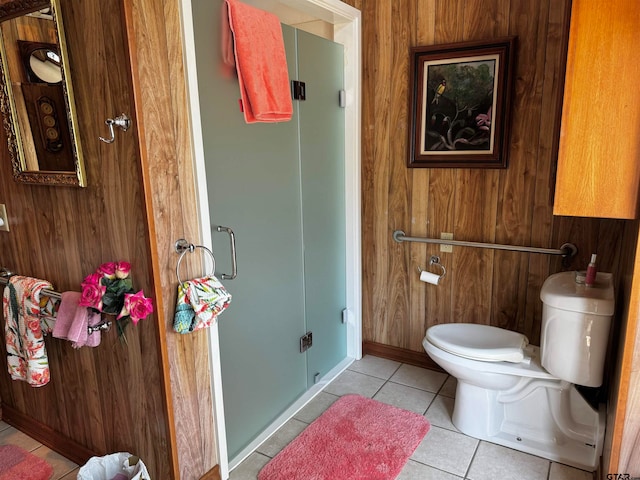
[
  {"x": 511, "y": 206},
  {"x": 125, "y": 57},
  {"x": 110, "y": 398},
  {"x": 623, "y": 425},
  {"x": 155, "y": 35}
]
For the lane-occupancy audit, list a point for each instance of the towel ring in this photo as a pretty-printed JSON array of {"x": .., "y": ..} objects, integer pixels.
[{"x": 183, "y": 247}]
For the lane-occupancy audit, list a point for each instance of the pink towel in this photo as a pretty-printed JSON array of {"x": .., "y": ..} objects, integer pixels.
[
  {"x": 72, "y": 322},
  {"x": 260, "y": 60},
  {"x": 66, "y": 312}
]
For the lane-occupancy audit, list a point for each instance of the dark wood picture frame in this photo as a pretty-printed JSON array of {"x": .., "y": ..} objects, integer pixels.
[{"x": 459, "y": 108}]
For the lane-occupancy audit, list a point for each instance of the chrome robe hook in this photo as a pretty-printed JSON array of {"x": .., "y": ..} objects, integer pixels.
[{"x": 122, "y": 121}]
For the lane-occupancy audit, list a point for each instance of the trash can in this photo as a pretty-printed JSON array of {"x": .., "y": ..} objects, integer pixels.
[{"x": 115, "y": 466}]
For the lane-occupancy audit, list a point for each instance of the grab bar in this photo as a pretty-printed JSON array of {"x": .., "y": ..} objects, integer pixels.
[{"x": 567, "y": 249}]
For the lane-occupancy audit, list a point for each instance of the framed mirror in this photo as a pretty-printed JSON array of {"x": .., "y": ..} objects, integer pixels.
[{"x": 36, "y": 95}]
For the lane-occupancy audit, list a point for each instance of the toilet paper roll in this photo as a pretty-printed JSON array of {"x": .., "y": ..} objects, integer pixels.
[{"x": 429, "y": 277}]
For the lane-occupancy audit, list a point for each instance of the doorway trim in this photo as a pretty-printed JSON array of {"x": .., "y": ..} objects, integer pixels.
[{"x": 346, "y": 22}]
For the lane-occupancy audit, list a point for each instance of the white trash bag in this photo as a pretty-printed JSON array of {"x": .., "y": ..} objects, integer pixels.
[{"x": 116, "y": 466}]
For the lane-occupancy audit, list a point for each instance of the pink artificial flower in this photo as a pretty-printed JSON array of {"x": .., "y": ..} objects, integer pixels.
[
  {"x": 92, "y": 292},
  {"x": 137, "y": 306},
  {"x": 123, "y": 269},
  {"x": 108, "y": 270}
]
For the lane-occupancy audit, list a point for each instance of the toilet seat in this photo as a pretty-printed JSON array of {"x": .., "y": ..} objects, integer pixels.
[{"x": 479, "y": 342}]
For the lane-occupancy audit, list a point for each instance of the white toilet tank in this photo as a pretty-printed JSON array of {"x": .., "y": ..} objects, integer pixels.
[{"x": 575, "y": 327}]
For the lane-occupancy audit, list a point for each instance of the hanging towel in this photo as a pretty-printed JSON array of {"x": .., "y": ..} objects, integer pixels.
[
  {"x": 199, "y": 303},
  {"x": 66, "y": 312},
  {"x": 78, "y": 332},
  {"x": 26, "y": 352},
  {"x": 260, "y": 60},
  {"x": 72, "y": 322}
]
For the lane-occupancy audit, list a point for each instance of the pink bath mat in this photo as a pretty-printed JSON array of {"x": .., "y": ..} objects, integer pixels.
[
  {"x": 18, "y": 464},
  {"x": 357, "y": 438}
]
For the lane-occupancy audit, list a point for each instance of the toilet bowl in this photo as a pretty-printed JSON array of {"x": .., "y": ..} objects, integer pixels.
[{"x": 523, "y": 396}]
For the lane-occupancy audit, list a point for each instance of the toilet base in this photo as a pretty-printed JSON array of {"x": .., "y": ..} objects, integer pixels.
[{"x": 547, "y": 418}]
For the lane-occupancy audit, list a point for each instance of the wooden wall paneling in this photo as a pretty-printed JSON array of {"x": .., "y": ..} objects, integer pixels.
[
  {"x": 511, "y": 205},
  {"x": 517, "y": 183},
  {"x": 583, "y": 232},
  {"x": 541, "y": 215},
  {"x": 400, "y": 179},
  {"x": 617, "y": 367},
  {"x": 472, "y": 288},
  {"x": 422, "y": 21},
  {"x": 477, "y": 188},
  {"x": 629, "y": 458},
  {"x": 108, "y": 94},
  {"x": 623, "y": 424},
  {"x": 170, "y": 190},
  {"x": 94, "y": 107},
  {"x": 610, "y": 243},
  {"x": 370, "y": 265},
  {"x": 155, "y": 128},
  {"x": 109, "y": 398},
  {"x": 440, "y": 195},
  {"x": 377, "y": 57},
  {"x": 441, "y": 190}
]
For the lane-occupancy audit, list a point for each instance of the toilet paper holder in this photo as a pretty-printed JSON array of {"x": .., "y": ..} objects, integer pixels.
[{"x": 435, "y": 260}]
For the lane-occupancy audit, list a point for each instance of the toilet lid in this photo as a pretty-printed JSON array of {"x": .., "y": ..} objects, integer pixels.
[{"x": 479, "y": 342}]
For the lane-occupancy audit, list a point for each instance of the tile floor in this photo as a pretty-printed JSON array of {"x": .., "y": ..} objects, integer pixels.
[
  {"x": 63, "y": 469},
  {"x": 444, "y": 454}
]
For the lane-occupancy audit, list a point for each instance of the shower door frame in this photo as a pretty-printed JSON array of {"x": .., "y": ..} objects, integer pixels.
[{"x": 346, "y": 22}]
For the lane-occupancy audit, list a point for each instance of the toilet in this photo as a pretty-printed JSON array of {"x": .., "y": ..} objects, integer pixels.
[{"x": 523, "y": 396}]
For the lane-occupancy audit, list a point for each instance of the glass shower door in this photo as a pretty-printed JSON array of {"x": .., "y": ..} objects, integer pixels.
[{"x": 320, "y": 66}]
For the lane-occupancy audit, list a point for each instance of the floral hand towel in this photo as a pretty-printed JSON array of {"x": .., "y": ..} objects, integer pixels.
[
  {"x": 26, "y": 353},
  {"x": 200, "y": 301}
]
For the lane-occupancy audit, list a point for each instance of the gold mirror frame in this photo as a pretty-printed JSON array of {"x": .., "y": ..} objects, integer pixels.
[{"x": 23, "y": 167}]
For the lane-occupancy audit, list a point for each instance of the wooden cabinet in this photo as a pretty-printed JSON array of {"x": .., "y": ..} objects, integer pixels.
[{"x": 599, "y": 155}]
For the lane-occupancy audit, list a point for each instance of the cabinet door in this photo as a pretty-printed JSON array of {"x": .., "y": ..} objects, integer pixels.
[{"x": 599, "y": 156}]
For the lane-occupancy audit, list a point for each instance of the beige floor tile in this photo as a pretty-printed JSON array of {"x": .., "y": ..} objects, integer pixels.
[
  {"x": 495, "y": 461},
  {"x": 375, "y": 366},
  {"x": 354, "y": 382},
  {"x": 446, "y": 450},
  {"x": 449, "y": 387},
  {"x": 73, "y": 475},
  {"x": 61, "y": 465},
  {"x": 408, "y": 398},
  {"x": 564, "y": 472},
  {"x": 282, "y": 437},
  {"x": 417, "y": 377},
  {"x": 417, "y": 471},
  {"x": 440, "y": 412},
  {"x": 315, "y": 407},
  {"x": 11, "y": 436},
  {"x": 249, "y": 468}
]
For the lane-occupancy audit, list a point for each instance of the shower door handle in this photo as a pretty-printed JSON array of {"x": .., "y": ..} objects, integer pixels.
[{"x": 234, "y": 262}]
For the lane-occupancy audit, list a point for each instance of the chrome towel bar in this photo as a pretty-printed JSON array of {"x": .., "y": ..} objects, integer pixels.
[
  {"x": 566, "y": 250},
  {"x": 4, "y": 280}
]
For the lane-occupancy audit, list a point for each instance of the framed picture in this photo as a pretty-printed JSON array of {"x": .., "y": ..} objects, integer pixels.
[{"x": 460, "y": 99}]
